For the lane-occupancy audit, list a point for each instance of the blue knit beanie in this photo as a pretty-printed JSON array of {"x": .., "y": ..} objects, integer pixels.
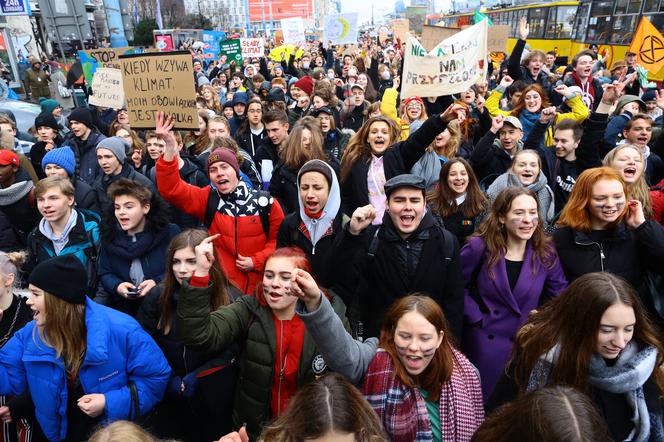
[{"x": 61, "y": 156}]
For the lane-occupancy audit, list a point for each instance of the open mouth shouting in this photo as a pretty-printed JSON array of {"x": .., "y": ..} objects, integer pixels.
[{"x": 629, "y": 173}]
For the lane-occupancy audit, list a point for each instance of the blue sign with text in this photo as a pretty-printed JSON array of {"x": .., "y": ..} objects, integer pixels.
[
  {"x": 211, "y": 40},
  {"x": 15, "y": 7}
]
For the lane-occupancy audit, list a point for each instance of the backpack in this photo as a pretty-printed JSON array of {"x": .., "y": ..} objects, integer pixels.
[{"x": 263, "y": 211}]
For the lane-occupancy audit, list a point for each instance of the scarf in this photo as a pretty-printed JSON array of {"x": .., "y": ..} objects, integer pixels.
[
  {"x": 528, "y": 120},
  {"x": 124, "y": 246},
  {"x": 59, "y": 241},
  {"x": 320, "y": 224},
  {"x": 632, "y": 368},
  {"x": 403, "y": 412},
  {"x": 498, "y": 145},
  {"x": 587, "y": 90},
  {"x": 15, "y": 192},
  {"x": 541, "y": 189}
]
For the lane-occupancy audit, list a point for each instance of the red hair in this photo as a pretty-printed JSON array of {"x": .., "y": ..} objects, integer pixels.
[{"x": 299, "y": 260}]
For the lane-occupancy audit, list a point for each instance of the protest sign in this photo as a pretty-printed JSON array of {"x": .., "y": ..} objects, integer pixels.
[
  {"x": 340, "y": 29},
  {"x": 164, "y": 43},
  {"x": 252, "y": 47},
  {"x": 400, "y": 28},
  {"x": 497, "y": 38},
  {"x": 451, "y": 67},
  {"x": 211, "y": 41},
  {"x": 432, "y": 35},
  {"x": 231, "y": 50},
  {"x": 107, "y": 90},
  {"x": 293, "y": 30},
  {"x": 160, "y": 82},
  {"x": 102, "y": 58}
]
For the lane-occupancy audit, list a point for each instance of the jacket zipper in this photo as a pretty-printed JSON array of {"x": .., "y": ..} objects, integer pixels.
[
  {"x": 186, "y": 369},
  {"x": 282, "y": 368},
  {"x": 601, "y": 251}
]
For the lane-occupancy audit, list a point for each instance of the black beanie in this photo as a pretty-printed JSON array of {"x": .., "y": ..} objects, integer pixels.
[
  {"x": 82, "y": 115},
  {"x": 46, "y": 119},
  {"x": 63, "y": 276}
]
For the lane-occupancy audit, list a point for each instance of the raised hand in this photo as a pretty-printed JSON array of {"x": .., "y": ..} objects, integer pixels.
[
  {"x": 524, "y": 28},
  {"x": 506, "y": 81},
  {"x": 304, "y": 287},
  {"x": 547, "y": 114},
  {"x": 497, "y": 123},
  {"x": 164, "y": 127},
  {"x": 453, "y": 112},
  {"x": 562, "y": 90},
  {"x": 204, "y": 255},
  {"x": 635, "y": 216},
  {"x": 361, "y": 219}
]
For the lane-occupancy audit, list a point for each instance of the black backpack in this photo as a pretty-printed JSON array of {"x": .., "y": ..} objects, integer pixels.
[{"x": 263, "y": 211}]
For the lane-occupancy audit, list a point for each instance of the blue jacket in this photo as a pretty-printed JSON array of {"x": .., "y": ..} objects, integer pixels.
[{"x": 118, "y": 351}]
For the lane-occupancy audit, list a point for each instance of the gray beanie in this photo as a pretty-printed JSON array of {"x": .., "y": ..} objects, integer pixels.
[{"x": 117, "y": 145}]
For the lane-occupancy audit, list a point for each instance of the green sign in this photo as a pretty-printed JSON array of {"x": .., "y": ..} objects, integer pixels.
[{"x": 231, "y": 50}]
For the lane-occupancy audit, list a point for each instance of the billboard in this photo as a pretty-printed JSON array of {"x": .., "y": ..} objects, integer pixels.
[{"x": 260, "y": 10}]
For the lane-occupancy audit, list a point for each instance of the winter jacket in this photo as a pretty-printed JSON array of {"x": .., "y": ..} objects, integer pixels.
[
  {"x": 18, "y": 205},
  {"x": 283, "y": 187},
  {"x": 36, "y": 83},
  {"x": 657, "y": 198},
  {"x": 85, "y": 196},
  {"x": 103, "y": 181},
  {"x": 488, "y": 335},
  {"x": 597, "y": 86},
  {"x": 489, "y": 159},
  {"x": 519, "y": 72},
  {"x": 253, "y": 325},
  {"x": 397, "y": 268},
  {"x": 353, "y": 117},
  {"x": 397, "y": 159},
  {"x": 37, "y": 153},
  {"x": 237, "y": 220},
  {"x": 335, "y": 143},
  {"x": 118, "y": 352},
  {"x": 268, "y": 154},
  {"x": 87, "y": 167},
  {"x": 249, "y": 142}
]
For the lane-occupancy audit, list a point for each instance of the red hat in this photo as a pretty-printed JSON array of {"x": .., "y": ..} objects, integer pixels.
[
  {"x": 224, "y": 155},
  {"x": 305, "y": 83},
  {"x": 8, "y": 157},
  {"x": 409, "y": 100}
]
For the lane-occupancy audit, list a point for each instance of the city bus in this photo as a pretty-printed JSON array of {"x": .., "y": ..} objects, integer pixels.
[{"x": 570, "y": 26}]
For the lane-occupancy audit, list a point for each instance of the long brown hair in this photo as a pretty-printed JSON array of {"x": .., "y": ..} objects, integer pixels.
[
  {"x": 571, "y": 321},
  {"x": 575, "y": 214},
  {"x": 189, "y": 239},
  {"x": 550, "y": 414},
  {"x": 330, "y": 403},
  {"x": 216, "y": 104},
  {"x": 442, "y": 199},
  {"x": 200, "y": 141},
  {"x": 440, "y": 368},
  {"x": 64, "y": 330},
  {"x": 293, "y": 153},
  {"x": 495, "y": 236},
  {"x": 521, "y": 104},
  {"x": 136, "y": 142},
  {"x": 639, "y": 189},
  {"x": 358, "y": 148}
]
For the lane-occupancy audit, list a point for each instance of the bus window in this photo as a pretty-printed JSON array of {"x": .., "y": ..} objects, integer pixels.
[
  {"x": 623, "y": 29},
  {"x": 599, "y": 29},
  {"x": 536, "y": 20},
  {"x": 634, "y": 7},
  {"x": 514, "y": 17},
  {"x": 561, "y": 22},
  {"x": 581, "y": 22},
  {"x": 650, "y": 5},
  {"x": 621, "y": 7}
]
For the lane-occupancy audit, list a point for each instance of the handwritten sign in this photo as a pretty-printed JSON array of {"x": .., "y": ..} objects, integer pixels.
[
  {"x": 102, "y": 58},
  {"x": 231, "y": 50},
  {"x": 400, "y": 28},
  {"x": 497, "y": 38},
  {"x": 432, "y": 35},
  {"x": 451, "y": 67},
  {"x": 340, "y": 28},
  {"x": 293, "y": 30},
  {"x": 160, "y": 82},
  {"x": 107, "y": 90},
  {"x": 252, "y": 47}
]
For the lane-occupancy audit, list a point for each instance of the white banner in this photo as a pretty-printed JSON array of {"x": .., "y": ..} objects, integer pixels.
[
  {"x": 252, "y": 47},
  {"x": 451, "y": 67},
  {"x": 107, "y": 88},
  {"x": 340, "y": 29},
  {"x": 293, "y": 29}
]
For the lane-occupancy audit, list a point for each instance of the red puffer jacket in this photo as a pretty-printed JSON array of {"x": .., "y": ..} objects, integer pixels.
[{"x": 237, "y": 221}]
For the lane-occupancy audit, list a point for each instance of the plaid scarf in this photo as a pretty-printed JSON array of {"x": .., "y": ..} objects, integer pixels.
[{"x": 403, "y": 412}]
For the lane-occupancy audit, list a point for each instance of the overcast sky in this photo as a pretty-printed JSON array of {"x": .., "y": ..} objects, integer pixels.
[{"x": 381, "y": 7}]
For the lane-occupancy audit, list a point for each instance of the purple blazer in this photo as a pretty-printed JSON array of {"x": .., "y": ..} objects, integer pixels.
[{"x": 488, "y": 338}]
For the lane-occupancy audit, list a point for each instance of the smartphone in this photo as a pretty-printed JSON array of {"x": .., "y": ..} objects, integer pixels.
[{"x": 132, "y": 293}]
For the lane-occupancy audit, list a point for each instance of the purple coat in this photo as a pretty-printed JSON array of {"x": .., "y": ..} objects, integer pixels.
[{"x": 488, "y": 338}]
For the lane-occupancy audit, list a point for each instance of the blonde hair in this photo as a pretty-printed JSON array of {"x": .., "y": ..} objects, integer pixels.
[
  {"x": 452, "y": 147},
  {"x": 65, "y": 186},
  {"x": 639, "y": 189},
  {"x": 10, "y": 262},
  {"x": 121, "y": 431}
]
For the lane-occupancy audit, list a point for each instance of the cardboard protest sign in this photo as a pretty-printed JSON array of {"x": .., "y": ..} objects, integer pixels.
[
  {"x": 400, "y": 28},
  {"x": 102, "y": 58},
  {"x": 211, "y": 41},
  {"x": 160, "y": 82},
  {"x": 451, "y": 67},
  {"x": 293, "y": 30},
  {"x": 497, "y": 38},
  {"x": 340, "y": 29},
  {"x": 231, "y": 50},
  {"x": 107, "y": 90},
  {"x": 252, "y": 47},
  {"x": 432, "y": 35}
]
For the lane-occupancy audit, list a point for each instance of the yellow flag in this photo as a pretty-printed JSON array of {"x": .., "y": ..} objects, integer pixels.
[{"x": 648, "y": 45}]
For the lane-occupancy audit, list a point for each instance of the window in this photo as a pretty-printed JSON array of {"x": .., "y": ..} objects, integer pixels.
[
  {"x": 623, "y": 29},
  {"x": 599, "y": 29},
  {"x": 621, "y": 7},
  {"x": 561, "y": 22},
  {"x": 650, "y": 6},
  {"x": 537, "y": 21},
  {"x": 513, "y": 22},
  {"x": 634, "y": 7},
  {"x": 581, "y": 22}
]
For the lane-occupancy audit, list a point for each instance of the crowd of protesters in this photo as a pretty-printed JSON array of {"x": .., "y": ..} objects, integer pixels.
[{"x": 323, "y": 259}]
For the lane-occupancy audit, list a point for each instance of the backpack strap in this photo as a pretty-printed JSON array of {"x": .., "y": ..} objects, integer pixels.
[
  {"x": 373, "y": 245},
  {"x": 211, "y": 207},
  {"x": 264, "y": 211}
]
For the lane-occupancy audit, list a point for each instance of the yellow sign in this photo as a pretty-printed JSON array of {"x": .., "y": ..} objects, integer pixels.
[{"x": 648, "y": 45}]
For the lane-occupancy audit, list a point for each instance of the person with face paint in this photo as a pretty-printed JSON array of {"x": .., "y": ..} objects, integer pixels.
[
  {"x": 439, "y": 396},
  {"x": 186, "y": 413},
  {"x": 598, "y": 338},
  {"x": 526, "y": 172},
  {"x": 278, "y": 354},
  {"x": 510, "y": 268},
  {"x": 374, "y": 155},
  {"x": 457, "y": 199},
  {"x": 317, "y": 224},
  {"x": 602, "y": 229}
]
